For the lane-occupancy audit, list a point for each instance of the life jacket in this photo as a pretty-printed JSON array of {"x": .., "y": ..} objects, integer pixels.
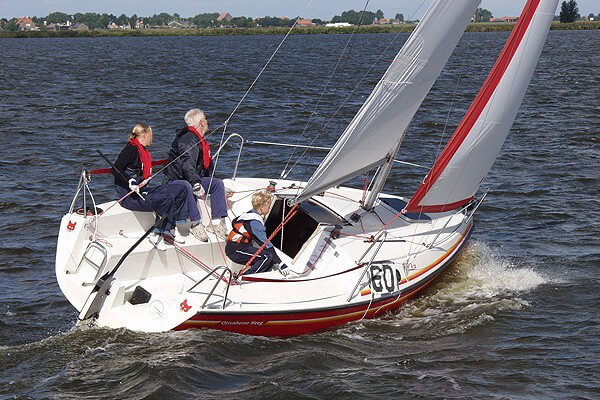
[{"x": 242, "y": 232}]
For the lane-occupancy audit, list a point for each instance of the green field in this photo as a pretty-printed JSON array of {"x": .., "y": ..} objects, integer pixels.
[{"x": 473, "y": 27}]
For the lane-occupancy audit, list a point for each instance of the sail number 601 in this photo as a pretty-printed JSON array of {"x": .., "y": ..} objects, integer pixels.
[{"x": 384, "y": 277}]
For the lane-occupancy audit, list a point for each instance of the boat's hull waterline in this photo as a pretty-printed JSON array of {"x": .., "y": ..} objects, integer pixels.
[{"x": 337, "y": 278}]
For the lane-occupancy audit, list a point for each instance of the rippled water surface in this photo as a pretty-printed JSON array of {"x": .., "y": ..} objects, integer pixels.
[{"x": 516, "y": 317}]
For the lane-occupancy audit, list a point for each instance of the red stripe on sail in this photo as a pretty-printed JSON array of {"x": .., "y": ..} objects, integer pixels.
[
  {"x": 482, "y": 99},
  {"x": 444, "y": 207}
]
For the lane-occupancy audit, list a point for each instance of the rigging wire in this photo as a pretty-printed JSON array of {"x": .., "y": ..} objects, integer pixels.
[
  {"x": 356, "y": 87},
  {"x": 251, "y": 87},
  {"x": 284, "y": 174}
]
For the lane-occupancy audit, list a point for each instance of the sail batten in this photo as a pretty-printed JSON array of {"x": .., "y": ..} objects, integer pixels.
[
  {"x": 380, "y": 124},
  {"x": 471, "y": 151}
]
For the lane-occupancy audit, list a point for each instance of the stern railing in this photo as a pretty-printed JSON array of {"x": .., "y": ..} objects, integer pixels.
[{"x": 210, "y": 273}]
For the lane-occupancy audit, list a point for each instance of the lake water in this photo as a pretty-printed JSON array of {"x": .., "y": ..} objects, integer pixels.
[{"x": 516, "y": 317}]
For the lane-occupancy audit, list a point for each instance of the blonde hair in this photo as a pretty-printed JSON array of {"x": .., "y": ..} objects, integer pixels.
[
  {"x": 261, "y": 198},
  {"x": 138, "y": 130}
]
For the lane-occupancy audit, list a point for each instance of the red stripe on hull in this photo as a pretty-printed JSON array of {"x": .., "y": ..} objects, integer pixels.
[
  {"x": 284, "y": 324},
  {"x": 292, "y": 324},
  {"x": 482, "y": 99}
]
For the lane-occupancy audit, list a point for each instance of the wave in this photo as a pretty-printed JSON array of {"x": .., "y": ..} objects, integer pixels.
[{"x": 480, "y": 285}]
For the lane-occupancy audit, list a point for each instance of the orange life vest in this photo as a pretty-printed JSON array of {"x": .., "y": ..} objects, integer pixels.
[{"x": 241, "y": 232}]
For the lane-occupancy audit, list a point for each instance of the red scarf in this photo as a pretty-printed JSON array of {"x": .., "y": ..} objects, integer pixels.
[
  {"x": 145, "y": 158},
  {"x": 205, "y": 147}
]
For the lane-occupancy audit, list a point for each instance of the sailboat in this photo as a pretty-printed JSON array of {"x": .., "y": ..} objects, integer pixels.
[{"x": 354, "y": 254}]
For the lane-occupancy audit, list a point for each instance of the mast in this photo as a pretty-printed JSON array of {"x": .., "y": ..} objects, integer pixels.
[{"x": 379, "y": 180}]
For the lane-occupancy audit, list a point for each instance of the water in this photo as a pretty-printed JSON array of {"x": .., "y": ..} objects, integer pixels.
[{"x": 516, "y": 317}]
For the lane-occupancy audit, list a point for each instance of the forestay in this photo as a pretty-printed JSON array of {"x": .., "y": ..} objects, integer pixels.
[
  {"x": 476, "y": 143},
  {"x": 380, "y": 124}
]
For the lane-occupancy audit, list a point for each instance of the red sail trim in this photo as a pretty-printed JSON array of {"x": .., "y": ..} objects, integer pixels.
[
  {"x": 444, "y": 207},
  {"x": 109, "y": 170},
  {"x": 482, "y": 99}
]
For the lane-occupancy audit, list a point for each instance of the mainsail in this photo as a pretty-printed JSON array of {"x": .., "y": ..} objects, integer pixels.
[
  {"x": 474, "y": 146},
  {"x": 379, "y": 126}
]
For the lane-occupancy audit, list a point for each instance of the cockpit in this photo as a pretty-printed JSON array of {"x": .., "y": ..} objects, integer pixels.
[{"x": 301, "y": 226}]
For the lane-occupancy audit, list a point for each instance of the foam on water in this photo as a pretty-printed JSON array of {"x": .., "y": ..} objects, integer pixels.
[
  {"x": 479, "y": 285},
  {"x": 489, "y": 274}
]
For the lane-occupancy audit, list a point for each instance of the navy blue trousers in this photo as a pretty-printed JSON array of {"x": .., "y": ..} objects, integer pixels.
[
  {"x": 175, "y": 199},
  {"x": 241, "y": 254},
  {"x": 216, "y": 189}
]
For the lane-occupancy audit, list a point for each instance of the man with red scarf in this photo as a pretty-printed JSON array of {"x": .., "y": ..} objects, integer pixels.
[{"x": 190, "y": 160}]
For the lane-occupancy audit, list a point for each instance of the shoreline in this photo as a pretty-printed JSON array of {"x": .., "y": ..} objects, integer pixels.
[{"x": 323, "y": 30}]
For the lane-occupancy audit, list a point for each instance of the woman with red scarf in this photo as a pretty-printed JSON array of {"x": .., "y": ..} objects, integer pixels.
[{"x": 175, "y": 199}]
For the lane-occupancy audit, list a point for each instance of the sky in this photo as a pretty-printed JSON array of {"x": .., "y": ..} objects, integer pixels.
[{"x": 324, "y": 9}]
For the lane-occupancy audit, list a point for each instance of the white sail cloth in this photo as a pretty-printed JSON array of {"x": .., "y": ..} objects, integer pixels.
[
  {"x": 380, "y": 124},
  {"x": 476, "y": 143}
]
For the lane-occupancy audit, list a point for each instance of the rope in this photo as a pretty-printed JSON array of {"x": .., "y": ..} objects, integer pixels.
[
  {"x": 250, "y": 88},
  {"x": 293, "y": 212},
  {"x": 214, "y": 230},
  {"x": 370, "y": 303},
  {"x": 365, "y": 185}
]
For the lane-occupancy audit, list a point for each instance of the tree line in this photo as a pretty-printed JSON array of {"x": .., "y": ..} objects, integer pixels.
[
  {"x": 569, "y": 12},
  {"x": 205, "y": 20}
]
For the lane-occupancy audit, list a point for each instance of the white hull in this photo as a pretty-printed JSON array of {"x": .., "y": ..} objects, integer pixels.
[{"x": 320, "y": 294}]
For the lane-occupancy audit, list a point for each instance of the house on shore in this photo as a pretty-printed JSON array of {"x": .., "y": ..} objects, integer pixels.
[
  {"x": 224, "y": 17},
  {"x": 26, "y": 24},
  {"x": 112, "y": 25},
  {"x": 80, "y": 27},
  {"x": 305, "y": 22},
  {"x": 381, "y": 21},
  {"x": 504, "y": 19}
]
